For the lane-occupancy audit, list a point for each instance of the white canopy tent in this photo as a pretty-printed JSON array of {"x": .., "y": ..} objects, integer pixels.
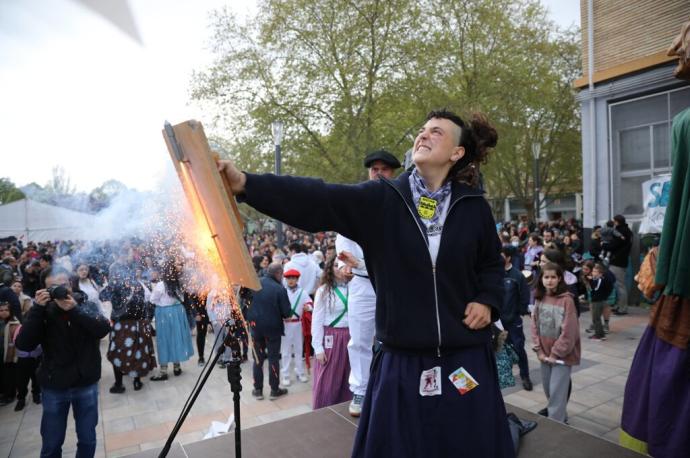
[{"x": 35, "y": 221}]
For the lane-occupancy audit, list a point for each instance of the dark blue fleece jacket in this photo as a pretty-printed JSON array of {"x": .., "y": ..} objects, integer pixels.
[{"x": 419, "y": 306}]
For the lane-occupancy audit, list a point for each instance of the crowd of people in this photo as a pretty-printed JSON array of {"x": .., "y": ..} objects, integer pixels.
[
  {"x": 317, "y": 298},
  {"x": 152, "y": 305}
]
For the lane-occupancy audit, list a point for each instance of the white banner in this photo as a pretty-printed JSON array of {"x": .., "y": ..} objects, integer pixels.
[{"x": 655, "y": 195}]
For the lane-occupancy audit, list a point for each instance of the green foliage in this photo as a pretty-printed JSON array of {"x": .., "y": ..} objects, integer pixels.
[
  {"x": 348, "y": 77},
  {"x": 9, "y": 192}
]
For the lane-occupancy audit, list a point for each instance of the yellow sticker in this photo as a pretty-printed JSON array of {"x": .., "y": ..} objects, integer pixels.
[{"x": 427, "y": 207}]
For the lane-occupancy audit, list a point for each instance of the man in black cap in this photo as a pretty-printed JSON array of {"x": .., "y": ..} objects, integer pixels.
[
  {"x": 381, "y": 162},
  {"x": 362, "y": 299}
]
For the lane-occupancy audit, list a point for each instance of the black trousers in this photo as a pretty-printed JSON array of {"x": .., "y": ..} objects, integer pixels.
[
  {"x": 119, "y": 376},
  {"x": 26, "y": 370},
  {"x": 266, "y": 347},
  {"x": 516, "y": 337},
  {"x": 9, "y": 380},
  {"x": 201, "y": 330}
]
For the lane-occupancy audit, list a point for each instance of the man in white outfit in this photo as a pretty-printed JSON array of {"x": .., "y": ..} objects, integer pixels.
[
  {"x": 362, "y": 299},
  {"x": 310, "y": 272},
  {"x": 292, "y": 343}
]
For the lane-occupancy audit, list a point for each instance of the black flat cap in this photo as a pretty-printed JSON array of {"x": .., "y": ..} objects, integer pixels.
[{"x": 383, "y": 156}]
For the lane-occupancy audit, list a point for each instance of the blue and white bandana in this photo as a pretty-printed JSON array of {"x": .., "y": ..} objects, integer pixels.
[{"x": 429, "y": 204}]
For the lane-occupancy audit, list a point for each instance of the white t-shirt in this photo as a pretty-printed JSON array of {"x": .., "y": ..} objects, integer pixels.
[
  {"x": 435, "y": 240},
  {"x": 160, "y": 297}
]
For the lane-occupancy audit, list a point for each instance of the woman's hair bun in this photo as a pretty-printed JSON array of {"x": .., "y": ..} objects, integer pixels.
[{"x": 484, "y": 133}]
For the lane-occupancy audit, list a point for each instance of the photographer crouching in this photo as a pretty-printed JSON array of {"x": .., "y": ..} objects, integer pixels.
[{"x": 69, "y": 328}]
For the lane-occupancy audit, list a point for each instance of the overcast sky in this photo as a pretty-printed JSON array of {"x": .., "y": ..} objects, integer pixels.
[{"x": 78, "y": 92}]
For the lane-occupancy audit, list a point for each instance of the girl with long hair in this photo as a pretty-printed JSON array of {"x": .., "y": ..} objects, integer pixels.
[
  {"x": 173, "y": 336},
  {"x": 330, "y": 335},
  {"x": 556, "y": 337}
]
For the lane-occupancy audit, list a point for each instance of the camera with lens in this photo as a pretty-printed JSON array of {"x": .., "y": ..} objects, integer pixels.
[{"x": 58, "y": 292}]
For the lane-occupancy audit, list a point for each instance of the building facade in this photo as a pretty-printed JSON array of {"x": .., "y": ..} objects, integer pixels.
[{"x": 628, "y": 98}]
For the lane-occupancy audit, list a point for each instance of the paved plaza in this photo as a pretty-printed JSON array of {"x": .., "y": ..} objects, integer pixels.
[{"x": 141, "y": 420}]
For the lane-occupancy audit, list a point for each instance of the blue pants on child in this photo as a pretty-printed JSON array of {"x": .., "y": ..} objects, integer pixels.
[{"x": 56, "y": 404}]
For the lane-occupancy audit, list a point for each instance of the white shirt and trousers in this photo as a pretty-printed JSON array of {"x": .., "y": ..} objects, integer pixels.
[
  {"x": 361, "y": 318},
  {"x": 293, "y": 340}
]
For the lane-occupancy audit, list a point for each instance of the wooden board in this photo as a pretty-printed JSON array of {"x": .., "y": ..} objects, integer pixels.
[{"x": 211, "y": 200}]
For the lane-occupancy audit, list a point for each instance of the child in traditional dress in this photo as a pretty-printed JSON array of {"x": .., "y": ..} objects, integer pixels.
[
  {"x": 330, "y": 336},
  {"x": 556, "y": 337}
]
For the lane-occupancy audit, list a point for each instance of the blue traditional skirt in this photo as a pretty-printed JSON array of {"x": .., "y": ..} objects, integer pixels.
[
  {"x": 173, "y": 337},
  {"x": 397, "y": 421}
]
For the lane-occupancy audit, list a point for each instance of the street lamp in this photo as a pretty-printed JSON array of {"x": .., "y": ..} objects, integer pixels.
[
  {"x": 536, "y": 152},
  {"x": 277, "y": 129}
]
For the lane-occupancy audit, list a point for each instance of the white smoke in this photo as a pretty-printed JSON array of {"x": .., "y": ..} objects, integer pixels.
[{"x": 133, "y": 213}]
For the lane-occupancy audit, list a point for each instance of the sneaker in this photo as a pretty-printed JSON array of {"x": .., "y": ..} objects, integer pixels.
[
  {"x": 201, "y": 363},
  {"x": 527, "y": 384},
  {"x": 597, "y": 339},
  {"x": 355, "y": 408},
  {"x": 258, "y": 394},
  {"x": 606, "y": 328},
  {"x": 275, "y": 394},
  {"x": 117, "y": 389},
  {"x": 160, "y": 377},
  {"x": 37, "y": 398},
  {"x": 222, "y": 364},
  {"x": 303, "y": 378},
  {"x": 544, "y": 412},
  {"x": 589, "y": 330},
  {"x": 20, "y": 405},
  {"x": 285, "y": 381},
  {"x": 137, "y": 384}
]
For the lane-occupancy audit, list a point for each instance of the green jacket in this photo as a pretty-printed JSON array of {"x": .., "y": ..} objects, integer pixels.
[{"x": 673, "y": 266}]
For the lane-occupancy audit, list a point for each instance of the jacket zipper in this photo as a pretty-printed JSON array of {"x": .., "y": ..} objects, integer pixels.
[{"x": 433, "y": 264}]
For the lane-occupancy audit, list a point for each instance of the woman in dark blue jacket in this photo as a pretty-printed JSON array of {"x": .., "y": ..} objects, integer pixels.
[{"x": 432, "y": 254}]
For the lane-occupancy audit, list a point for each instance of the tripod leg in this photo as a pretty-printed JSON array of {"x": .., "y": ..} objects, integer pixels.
[
  {"x": 185, "y": 412},
  {"x": 235, "y": 378}
]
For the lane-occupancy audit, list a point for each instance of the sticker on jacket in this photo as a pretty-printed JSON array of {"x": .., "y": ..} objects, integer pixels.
[
  {"x": 463, "y": 381},
  {"x": 430, "y": 382}
]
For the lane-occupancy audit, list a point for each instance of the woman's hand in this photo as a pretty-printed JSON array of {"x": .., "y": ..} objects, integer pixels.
[
  {"x": 477, "y": 316},
  {"x": 321, "y": 358},
  {"x": 235, "y": 178}
]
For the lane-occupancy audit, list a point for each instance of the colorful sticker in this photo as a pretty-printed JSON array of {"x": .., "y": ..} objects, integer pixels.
[
  {"x": 430, "y": 382},
  {"x": 328, "y": 342},
  {"x": 463, "y": 381},
  {"x": 426, "y": 207}
]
